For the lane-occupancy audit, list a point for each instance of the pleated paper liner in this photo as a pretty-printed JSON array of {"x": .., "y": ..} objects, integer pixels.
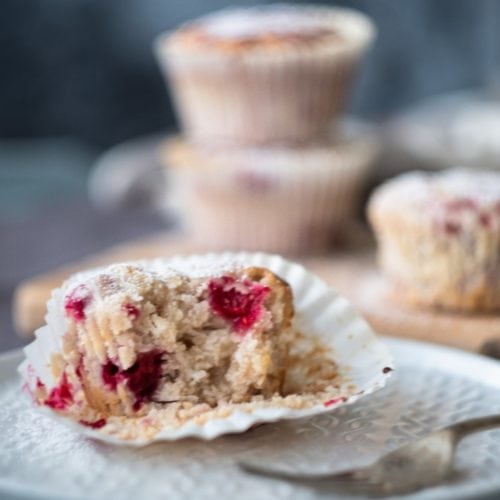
[
  {"x": 281, "y": 199},
  {"x": 336, "y": 359}
]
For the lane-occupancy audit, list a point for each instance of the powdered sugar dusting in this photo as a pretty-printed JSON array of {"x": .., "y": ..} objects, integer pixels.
[
  {"x": 38, "y": 437},
  {"x": 194, "y": 268},
  {"x": 425, "y": 190},
  {"x": 250, "y": 23},
  {"x": 198, "y": 266}
]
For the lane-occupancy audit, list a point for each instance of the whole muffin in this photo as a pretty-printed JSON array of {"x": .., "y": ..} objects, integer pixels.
[
  {"x": 283, "y": 200},
  {"x": 264, "y": 74},
  {"x": 439, "y": 238}
]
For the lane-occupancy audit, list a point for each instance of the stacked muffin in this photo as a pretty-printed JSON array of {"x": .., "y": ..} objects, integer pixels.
[{"x": 262, "y": 162}]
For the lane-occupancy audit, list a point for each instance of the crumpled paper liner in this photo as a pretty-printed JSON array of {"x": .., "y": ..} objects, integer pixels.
[{"x": 331, "y": 333}]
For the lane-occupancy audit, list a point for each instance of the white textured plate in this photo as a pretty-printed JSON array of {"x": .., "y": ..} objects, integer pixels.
[
  {"x": 433, "y": 386},
  {"x": 362, "y": 360}
]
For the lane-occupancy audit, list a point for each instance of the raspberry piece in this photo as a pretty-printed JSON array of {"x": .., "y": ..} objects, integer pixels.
[
  {"x": 111, "y": 375},
  {"x": 76, "y": 302},
  {"x": 94, "y": 425},
  {"x": 460, "y": 204},
  {"x": 79, "y": 368},
  {"x": 142, "y": 378},
  {"x": 254, "y": 182},
  {"x": 239, "y": 302},
  {"x": 334, "y": 401},
  {"x": 60, "y": 397},
  {"x": 132, "y": 311},
  {"x": 485, "y": 219},
  {"x": 452, "y": 228}
]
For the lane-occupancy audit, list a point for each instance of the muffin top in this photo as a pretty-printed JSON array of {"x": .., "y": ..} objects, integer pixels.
[
  {"x": 455, "y": 199},
  {"x": 274, "y": 27}
]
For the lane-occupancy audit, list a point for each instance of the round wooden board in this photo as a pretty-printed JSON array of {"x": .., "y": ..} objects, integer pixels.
[{"x": 358, "y": 279}]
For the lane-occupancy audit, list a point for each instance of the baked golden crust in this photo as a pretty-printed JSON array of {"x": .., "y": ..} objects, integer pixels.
[
  {"x": 280, "y": 290},
  {"x": 272, "y": 28},
  {"x": 195, "y": 38}
]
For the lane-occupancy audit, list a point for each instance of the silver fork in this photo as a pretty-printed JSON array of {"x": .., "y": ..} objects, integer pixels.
[{"x": 425, "y": 462}]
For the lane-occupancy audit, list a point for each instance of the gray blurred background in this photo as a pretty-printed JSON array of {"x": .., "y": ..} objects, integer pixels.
[
  {"x": 84, "y": 68},
  {"x": 79, "y": 76}
]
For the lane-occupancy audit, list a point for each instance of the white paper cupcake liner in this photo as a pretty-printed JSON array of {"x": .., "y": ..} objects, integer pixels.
[
  {"x": 288, "y": 201},
  {"x": 363, "y": 362},
  {"x": 269, "y": 96}
]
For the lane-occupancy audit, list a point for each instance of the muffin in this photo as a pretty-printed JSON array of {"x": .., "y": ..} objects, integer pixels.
[
  {"x": 197, "y": 346},
  {"x": 140, "y": 339},
  {"x": 439, "y": 238},
  {"x": 266, "y": 74},
  {"x": 283, "y": 200}
]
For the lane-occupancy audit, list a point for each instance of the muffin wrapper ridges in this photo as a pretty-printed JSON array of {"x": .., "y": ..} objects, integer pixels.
[{"x": 288, "y": 201}]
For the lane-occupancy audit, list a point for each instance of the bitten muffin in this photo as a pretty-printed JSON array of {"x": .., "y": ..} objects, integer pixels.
[
  {"x": 439, "y": 238},
  {"x": 266, "y": 74},
  {"x": 138, "y": 340},
  {"x": 283, "y": 200}
]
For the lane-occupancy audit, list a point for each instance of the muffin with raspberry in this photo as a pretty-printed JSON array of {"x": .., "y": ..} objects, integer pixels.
[
  {"x": 268, "y": 74},
  {"x": 439, "y": 238},
  {"x": 139, "y": 340},
  {"x": 288, "y": 200}
]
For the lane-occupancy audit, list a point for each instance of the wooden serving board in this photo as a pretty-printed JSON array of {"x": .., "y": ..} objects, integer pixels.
[{"x": 352, "y": 273}]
